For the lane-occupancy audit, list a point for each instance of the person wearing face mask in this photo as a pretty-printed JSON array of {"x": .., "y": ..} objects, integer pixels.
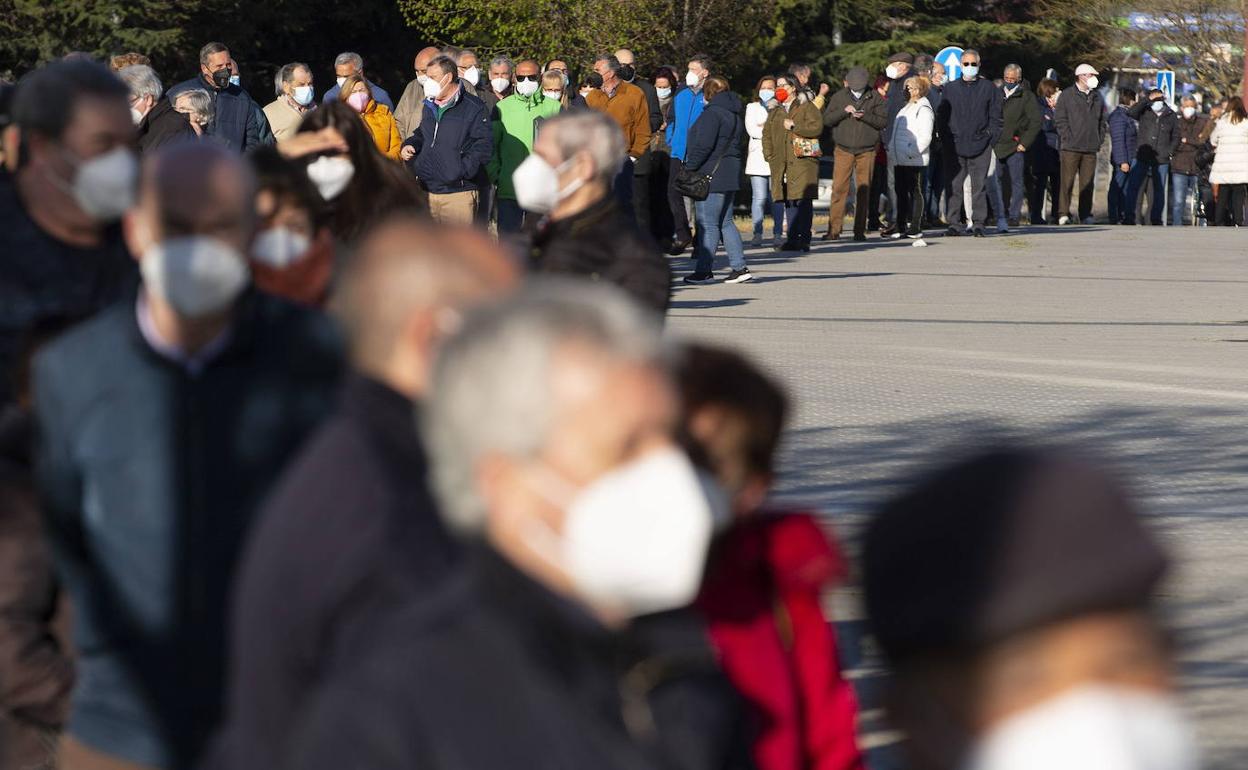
[
  {"x": 855, "y": 114},
  {"x": 357, "y": 184},
  {"x": 899, "y": 70},
  {"x": 501, "y": 73},
  {"x": 302, "y": 592},
  {"x": 238, "y": 121},
  {"x": 586, "y": 532},
  {"x": 756, "y": 166},
  {"x": 561, "y": 67},
  {"x": 1020, "y": 126},
  {"x": 553, "y": 90},
  {"x": 1023, "y": 631},
  {"x": 469, "y": 73},
  {"x": 411, "y": 108},
  {"x": 1158, "y": 137},
  {"x": 645, "y": 203},
  {"x": 295, "y": 98},
  {"x": 1229, "y": 173},
  {"x": 767, "y": 571},
  {"x": 451, "y": 147},
  {"x": 714, "y": 153},
  {"x": 934, "y": 173},
  {"x": 972, "y": 112},
  {"x": 155, "y": 119},
  {"x": 516, "y": 121},
  {"x": 662, "y": 225},
  {"x": 790, "y": 136},
  {"x": 71, "y": 147},
  {"x": 347, "y": 64},
  {"x": 1184, "y": 172},
  {"x": 1044, "y": 160},
  {"x": 687, "y": 106},
  {"x": 1081, "y": 121},
  {"x": 583, "y": 230},
  {"x": 627, "y": 106},
  {"x": 380, "y": 123},
  {"x": 910, "y": 152},
  {"x": 180, "y": 381},
  {"x": 1123, "y": 143}
]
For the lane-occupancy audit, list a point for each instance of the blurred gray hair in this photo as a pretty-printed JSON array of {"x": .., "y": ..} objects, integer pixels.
[
  {"x": 491, "y": 384},
  {"x": 141, "y": 80},
  {"x": 973, "y": 52},
  {"x": 350, "y": 57},
  {"x": 1012, "y": 68},
  {"x": 464, "y": 52},
  {"x": 1189, "y": 99},
  {"x": 593, "y": 132},
  {"x": 923, "y": 64},
  {"x": 202, "y": 109},
  {"x": 287, "y": 74},
  {"x": 497, "y": 60}
]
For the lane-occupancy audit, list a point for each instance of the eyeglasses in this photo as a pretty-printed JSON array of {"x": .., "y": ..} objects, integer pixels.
[{"x": 533, "y": 78}]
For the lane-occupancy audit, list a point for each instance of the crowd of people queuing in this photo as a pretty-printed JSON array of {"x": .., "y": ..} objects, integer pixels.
[{"x": 302, "y": 469}]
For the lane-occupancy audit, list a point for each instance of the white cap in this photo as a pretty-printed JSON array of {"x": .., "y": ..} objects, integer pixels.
[{"x": 1085, "y": 69}]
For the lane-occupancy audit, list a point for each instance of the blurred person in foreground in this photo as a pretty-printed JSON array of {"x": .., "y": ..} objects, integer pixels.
[
  {"x": 1013, "y": 596},
  {"x": 292, "y": 255},
  {"x": 584, "y": 231},
  {"x": 560, "y": 642},
  {"x": 359, "y": 486},
  {"x": 71, "y": 145},
  {"x": 164, "y": 422},
  {"x": 767, "y": 571}
]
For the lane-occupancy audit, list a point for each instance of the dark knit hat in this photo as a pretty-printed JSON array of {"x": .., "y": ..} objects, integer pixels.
[
  {"x": 857, "y": 78},
  {"x": 902, "y": 56},
  {"x": 1009, "y": 541}
]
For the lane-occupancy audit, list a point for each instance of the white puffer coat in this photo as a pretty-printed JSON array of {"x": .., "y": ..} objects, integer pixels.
[
  {"x": 1230, "y": 163},
  {"x": 911, "y": 141}
]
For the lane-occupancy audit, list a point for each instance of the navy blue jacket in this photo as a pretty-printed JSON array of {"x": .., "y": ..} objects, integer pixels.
[
  {"x": 1123, "y": 137},
  {"x": 150, "y": 477},
  {"x": 452, "y": 149},
  {"x": 716, "y": 138},
  {"x": 972, "y": 112},
  {"x": 238, "y": 120}
]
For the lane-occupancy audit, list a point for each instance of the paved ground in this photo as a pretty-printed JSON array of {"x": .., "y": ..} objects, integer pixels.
[{"x": 1131, "y": 341}]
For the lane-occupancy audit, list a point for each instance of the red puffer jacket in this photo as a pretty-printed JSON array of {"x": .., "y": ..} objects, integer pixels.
[{"x": 761, "y": 601}]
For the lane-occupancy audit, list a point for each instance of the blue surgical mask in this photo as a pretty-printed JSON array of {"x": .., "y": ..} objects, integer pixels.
[
  {"x": 235, "y": 80},
  {"x": 663, "y": 93},
  {"x": 303, "y": 95},
  {"x": 970, "y": 71},
  {"x": 1159, "y": 107},
  {"x": 766, "y": 94}
]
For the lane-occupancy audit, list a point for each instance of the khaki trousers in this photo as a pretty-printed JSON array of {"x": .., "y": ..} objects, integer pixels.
[
  {"x": 861, "y": 165},
  {"x": 453, "y": 208}
]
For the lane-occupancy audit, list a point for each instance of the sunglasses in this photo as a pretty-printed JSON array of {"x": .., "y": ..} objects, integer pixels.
[
  {"x": 533, "y": 78},
  {"x": 969, "y": 63}
]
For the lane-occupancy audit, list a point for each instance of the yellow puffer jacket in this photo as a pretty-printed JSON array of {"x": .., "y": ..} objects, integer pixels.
[{"x": 385, "y": 130}]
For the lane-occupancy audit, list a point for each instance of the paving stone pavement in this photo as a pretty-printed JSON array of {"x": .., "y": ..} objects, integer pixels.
[{"x": 1132, "y": 342}]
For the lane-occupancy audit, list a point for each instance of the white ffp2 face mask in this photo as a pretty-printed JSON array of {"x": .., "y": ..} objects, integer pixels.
[
  {"x": 472, "y": 75},
  {"x": 537, "y": 184},
  {"x": 104, "y": 186},
  {"x": 280, "y": 247},
  {"x": 196, "y": 274},
  {"x": 635, "y": 539},
  {"x": 331, "y": 175},
  {"x": 1092, "y": 728},
  {"x": 526, "y": 88},
  {"x": 499, "y": 84},
  {"x": 692, "y": 80}
]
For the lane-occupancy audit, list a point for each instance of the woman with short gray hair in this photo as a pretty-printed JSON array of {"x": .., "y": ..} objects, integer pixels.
[
  {"x": 157, "y": 122},
  {"x": 196, "y": 104}
]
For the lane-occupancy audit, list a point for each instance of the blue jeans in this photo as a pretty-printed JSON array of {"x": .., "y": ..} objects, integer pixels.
[
  {"x": 760, "y": 196},
  {"x": 510, "y": 216},
  {"x": 800, "y": 215},
  {"x": 1011, "y": 170},
  {"x": 1135, "y": 182},
  {"x": 1180, "y": 186},
  {"x": 1118, "y": 195},
  {"x": 714, "y": 217}
]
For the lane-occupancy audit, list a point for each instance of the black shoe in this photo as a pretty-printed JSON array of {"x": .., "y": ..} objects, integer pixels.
[
  {"x": 952, "y": 231},
  {"x": 978, "y": 232},
  {"x": 888, "y": 232},
  {"x": 831, "y": 237},
  {"x": 804, "y": 248},
  {"x": 700, "y": 278},
  {"x": 739, "y": 276},
  {"x": 788, "y": 246},
  {"x": 1013, "y": 223},
  {"x": 678, "y": 247},
  {"x": 860, "y": 237}
]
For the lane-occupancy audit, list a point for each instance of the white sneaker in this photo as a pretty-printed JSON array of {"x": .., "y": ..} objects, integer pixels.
[
  {"x": 1063, "y": 221},
  {"x": 919, "y": 244}
]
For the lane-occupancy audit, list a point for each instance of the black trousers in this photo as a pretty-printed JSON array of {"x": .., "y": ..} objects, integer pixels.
[
  {"x": 977, "y": 169},
  {"x": 908, "y": 182},
  {"x": 662, "y": 226},
  {"x": 1231, "y": 196},
  {"x": 676, "y": 202}
]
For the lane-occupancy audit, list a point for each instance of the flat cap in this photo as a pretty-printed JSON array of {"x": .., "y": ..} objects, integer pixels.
[
  {"x": 902, "y": 56},
  {"x": 1009, "y": 541},
  {"x": 857, "y": 78}
]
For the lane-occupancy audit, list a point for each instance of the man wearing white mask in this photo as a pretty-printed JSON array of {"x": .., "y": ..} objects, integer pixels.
[
  {"x": 501, "y": 71},
  {"x": 687, "y": 107},
  {"x": 584, "y": 231},
  {"x": 165, "y": 420},
  {"x": 971, "y": 113},
  {"x": 155, "y": 119},
  {"x": 1022, "y": 631},
  {"x": 294, "y": 98},
  {"x": 72, "y": 150},
  {"x": 469, "y": 69},
  {"x": 1081, "y": 121},
  {"x": 1184, "y": 173},
  {"x": 515, "y": 122},
  {"x": 579, "y": 522},
  {"x": 409, "y": 111},
  {"x": 347, "y": 64}
]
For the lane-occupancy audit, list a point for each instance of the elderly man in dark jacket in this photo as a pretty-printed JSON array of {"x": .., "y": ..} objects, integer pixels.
[
  {"x": 157, "y": 123},
  {"x": 972, "y": 112},
  {"x": 238, "y": 121},
  {"x": 1158, "y": 137},
  {"x": 1184, "y": 173},
  {"x": 361, "y": 481},
  {"x": 450, "y": 145},
  {"x": 856, "y": 114},
  {"x": 1020, "y": 126},
  {"x": 565, "y": 640},
  {"x": 899, "y": 70},
  {"x": 585, "y": 232},
  {"x": 1080, "y": 119},
  {"x": 164, "y": 422}
]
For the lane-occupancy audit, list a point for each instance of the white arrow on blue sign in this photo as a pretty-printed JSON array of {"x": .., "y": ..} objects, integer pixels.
[
  {"x": 951, "y": 57},
  {"x": 1165, "y": 82}
]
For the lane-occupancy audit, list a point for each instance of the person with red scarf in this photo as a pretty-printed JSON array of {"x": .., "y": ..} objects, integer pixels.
[{"x": 766, "y": 573}]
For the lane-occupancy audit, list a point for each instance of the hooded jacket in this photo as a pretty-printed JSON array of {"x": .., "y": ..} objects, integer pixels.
[
  {"x": 1158, "y": 134},
  {"x": 1080, "y": 120},
  {"x": 514, "y": 127},
  {"x": 715, "y": 142},
  {"x": 1020, "y": 120},
  {"x": 856, "y": 135}
]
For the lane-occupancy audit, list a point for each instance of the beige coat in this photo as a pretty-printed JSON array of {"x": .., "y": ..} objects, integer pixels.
[
  {"x": 283, "y": 119},
  {"x": 408, "y": 112}
]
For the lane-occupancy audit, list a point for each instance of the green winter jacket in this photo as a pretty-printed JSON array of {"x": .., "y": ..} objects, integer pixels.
[{"x": 515, "y": 123}]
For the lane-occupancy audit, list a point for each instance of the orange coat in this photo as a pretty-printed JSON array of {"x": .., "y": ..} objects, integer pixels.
[{"x": 384, "y": 128}]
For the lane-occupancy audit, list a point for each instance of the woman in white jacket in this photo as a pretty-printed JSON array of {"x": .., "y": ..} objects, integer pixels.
[
  {"x": 1230, "y": 162},
  {"x": 756, "y": 167},
  {"x": 909, "y": 150}
]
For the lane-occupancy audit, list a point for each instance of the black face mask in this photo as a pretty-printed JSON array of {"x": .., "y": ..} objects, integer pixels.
[
  {"x": 627, "y": 72},
  {"x": 221, "y": 78}
]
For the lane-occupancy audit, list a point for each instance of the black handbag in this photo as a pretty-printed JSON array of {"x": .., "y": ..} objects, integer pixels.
[{"x": 694, "y": 184}]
